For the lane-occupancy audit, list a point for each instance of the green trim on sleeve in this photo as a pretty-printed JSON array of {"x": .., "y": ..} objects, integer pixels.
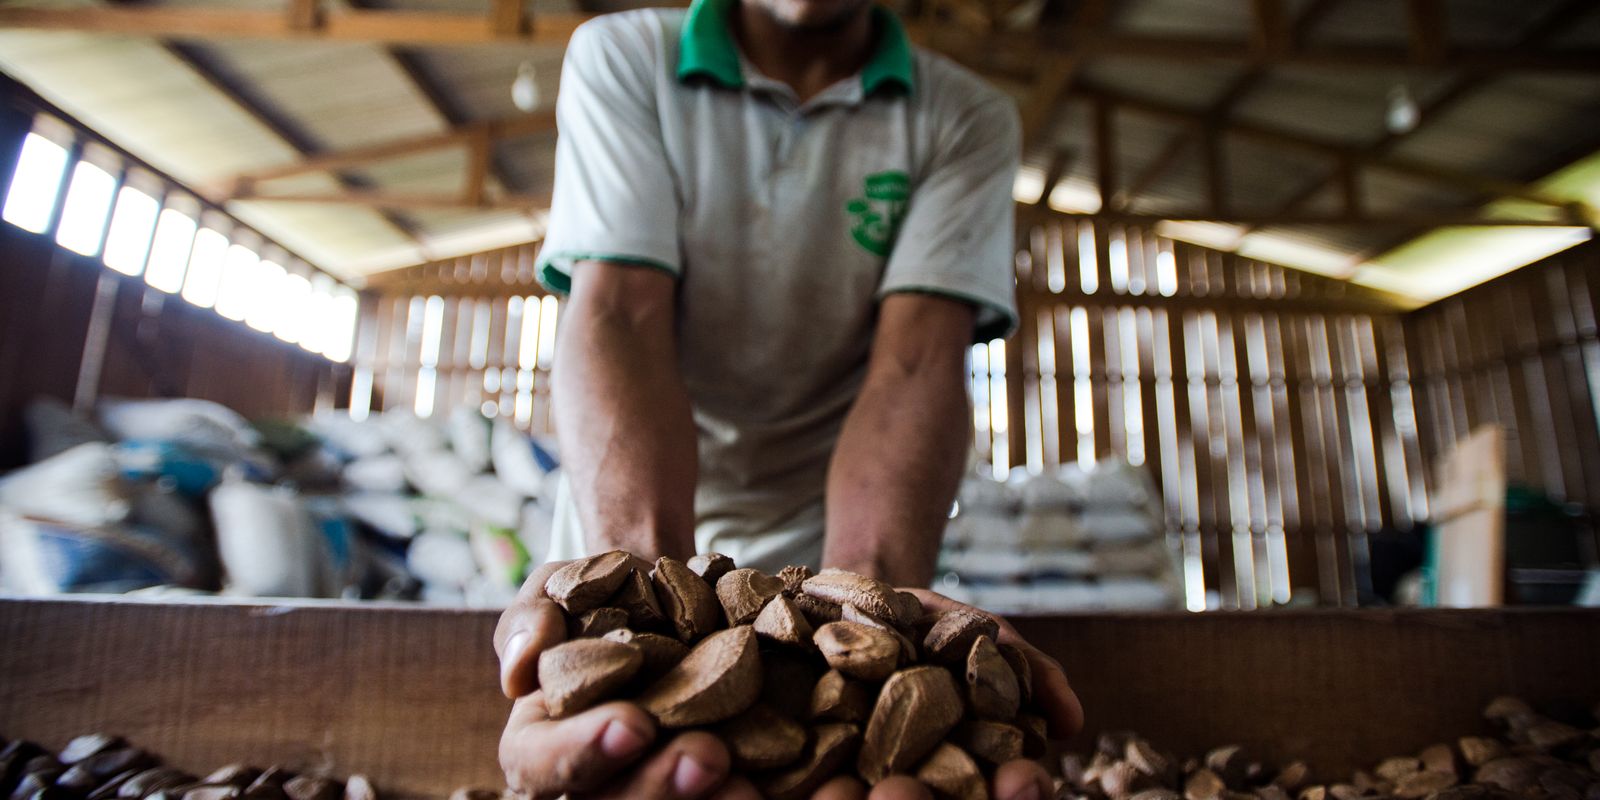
[
  {"x": 1004, "y": 323},
  {"x": 555, "y": 271}
]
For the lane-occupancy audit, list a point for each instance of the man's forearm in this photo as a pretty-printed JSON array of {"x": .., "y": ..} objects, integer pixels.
[
  {"x": 895, "y": 472},
  {"x": 623, "y": 419}
]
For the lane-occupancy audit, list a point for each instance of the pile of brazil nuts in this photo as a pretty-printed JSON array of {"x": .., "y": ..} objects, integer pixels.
[
  {"x": 804, "y": 676},
  {"x": 1535, "y": 757},
  {"x": 99, "y": 766}
]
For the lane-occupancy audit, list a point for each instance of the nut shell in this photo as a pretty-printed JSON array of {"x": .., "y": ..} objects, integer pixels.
[
  {"x": 686, "y": 600},
  {"x": 915, "y": 709},
  {"x": 588, "y": 582},
  {"x": 577, "y": 674},
  {"x": 952, "y": 774},
  {"x": 857, "y": 650},
  {"x": 719, "y": 679},
  {"x": 868, "y": 594},
  {"x": 744, "y": 592},
  {"x": 761, "y": 738}
]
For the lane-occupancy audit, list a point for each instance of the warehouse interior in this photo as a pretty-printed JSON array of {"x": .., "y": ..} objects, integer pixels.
[{"x": 1283, "y": 488}]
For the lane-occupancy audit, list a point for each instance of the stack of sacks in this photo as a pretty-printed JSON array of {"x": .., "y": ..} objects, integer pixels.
[
  {"x": 467, "y": 501},
  {"x": 1071, "y": 538},
  {"x": 185, "y": 495}
]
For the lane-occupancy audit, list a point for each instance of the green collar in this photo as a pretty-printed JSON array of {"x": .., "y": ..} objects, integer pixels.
[{"x": 707, "y": 48}]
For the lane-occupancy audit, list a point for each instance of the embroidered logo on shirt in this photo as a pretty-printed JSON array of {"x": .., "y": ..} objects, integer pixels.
[{"x": 875, "y": 217}]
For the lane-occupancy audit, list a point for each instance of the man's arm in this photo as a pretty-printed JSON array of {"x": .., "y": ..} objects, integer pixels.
[
  {"x": 622, "y": 414},
  {"x": 904, "y": 445}
]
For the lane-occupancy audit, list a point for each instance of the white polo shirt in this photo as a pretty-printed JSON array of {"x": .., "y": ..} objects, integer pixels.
[{"x": 785, "y": 223}]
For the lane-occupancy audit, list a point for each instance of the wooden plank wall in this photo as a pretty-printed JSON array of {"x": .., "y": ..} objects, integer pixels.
[
  {"x": 1522, "y": 351},
  {"x": 1285, "y": 417},
  {"x": 476, "y": 332},
  {"x": 156, "y": 345},
  {"x": 1271, "y": 406}
]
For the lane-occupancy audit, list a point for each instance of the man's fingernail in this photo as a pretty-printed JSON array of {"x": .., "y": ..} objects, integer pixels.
[
  {"x": 691, "y": 777},
  {"x": 1029, "y": 792},
  {"x": 514, "y": 647},
  {"x": 620, "y": 741}
]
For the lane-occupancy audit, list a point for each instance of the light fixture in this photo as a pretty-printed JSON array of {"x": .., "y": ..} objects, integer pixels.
[
  {"x": 1402, "y": 114},
  {"x": 525, "y": 89}
]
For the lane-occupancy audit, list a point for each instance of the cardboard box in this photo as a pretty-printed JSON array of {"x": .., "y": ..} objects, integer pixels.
[{"x": 408, "y": 696}]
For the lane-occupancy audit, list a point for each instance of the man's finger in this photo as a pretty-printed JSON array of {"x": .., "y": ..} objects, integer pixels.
[
  {"x": 843, "y": 787},
  {"x": 548, "y": 758},
  {"x": 1022, "y": 780},
  {"x": 900, "y": 787},
  {"x": 1050, "y": 685},
  {"x": 737, "y": 789},
  {"x": 531, "y": 625},
  {"x": 691, "y": 765}
]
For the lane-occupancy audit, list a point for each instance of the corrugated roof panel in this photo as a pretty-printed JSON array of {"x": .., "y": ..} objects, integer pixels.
[
  {"x": 1193, "y": 86},
  {"x": 370, "y": 101},
  {"x": 1206, "y": 18}
]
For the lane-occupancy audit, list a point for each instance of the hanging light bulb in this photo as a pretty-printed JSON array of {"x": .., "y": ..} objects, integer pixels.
[
  {"x": 1402, "y": 113},
  {"x": 525, "y": 89}
]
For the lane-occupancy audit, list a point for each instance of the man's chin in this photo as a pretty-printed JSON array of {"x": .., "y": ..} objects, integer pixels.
[{"x": 818, "y": 17}]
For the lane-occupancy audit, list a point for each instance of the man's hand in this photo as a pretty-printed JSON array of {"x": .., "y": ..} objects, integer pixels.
[
  {"x": 1023, "y": 779},
  {"x": 606, "y": 751},
  {"x": 601, "y": 752}
]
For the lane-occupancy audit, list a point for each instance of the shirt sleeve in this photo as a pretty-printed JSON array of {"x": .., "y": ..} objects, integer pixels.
[
  {"x": 958, "y": 238},
  {"x": 614, "y": 197}
]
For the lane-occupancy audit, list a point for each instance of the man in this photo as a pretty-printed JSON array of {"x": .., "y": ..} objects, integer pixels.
[{"x": 781, "y": 227}]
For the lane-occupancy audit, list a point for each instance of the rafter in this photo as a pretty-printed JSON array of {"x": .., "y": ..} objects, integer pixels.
[
  {"x": 1341, "y": 218},
  {"x": 1554, "y": 22},
  {"x": 461, "y": 135},
  {"x": 1269, "y": 23},
  {"x": 390, "y": 199},
  {"x": 1018, "y": 54},
  {"x": 1023, "y": 50},
  {"x": 1435, "y": 173},
  {"x": 349, "y": 25},
  {"x": 292, "y": 136},
  {"x": 439, "y": 99}
]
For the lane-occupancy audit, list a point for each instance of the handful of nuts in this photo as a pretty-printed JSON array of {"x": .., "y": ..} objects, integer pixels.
[
  {"x": 1535, "y": 758},
  {"x": 803, "y": 676}
]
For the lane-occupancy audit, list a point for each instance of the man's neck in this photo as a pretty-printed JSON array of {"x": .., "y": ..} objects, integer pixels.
[{"x": 807, "y": 60}]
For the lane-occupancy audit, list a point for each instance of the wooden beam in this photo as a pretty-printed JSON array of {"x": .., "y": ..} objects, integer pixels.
[
  {"x": 1105, "y": 150},
  {"x": 423, "y": 28},
  {"x": 1341, "y": 219},
  {"x": 1268, "y": 34},
  {"x": 1216, "y": 170},
  {"x": 1308, "y": 21},
  {"x": 1426, "y": 20},
  {"x": 479, "y": 148},
  {"x": 297, "y": 139},
  {"x": 1053, "y": 174},
  {"x": 383, "y": 198},
  {"x": 1350, "y": 186},
  {"x": 1043, "y": 99},
  {"x": 304, "y": 15},
  {"x": 1459, "y": 179},
  {"x": 508, "y": 18},
  {"x": 1553, "y": 23},
  {"x": 494, "y": 130},
  {"x": 1157, "y": 167},
  {"x": 443, "y": 101},
  {"x": 1024, "y": 49}
]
